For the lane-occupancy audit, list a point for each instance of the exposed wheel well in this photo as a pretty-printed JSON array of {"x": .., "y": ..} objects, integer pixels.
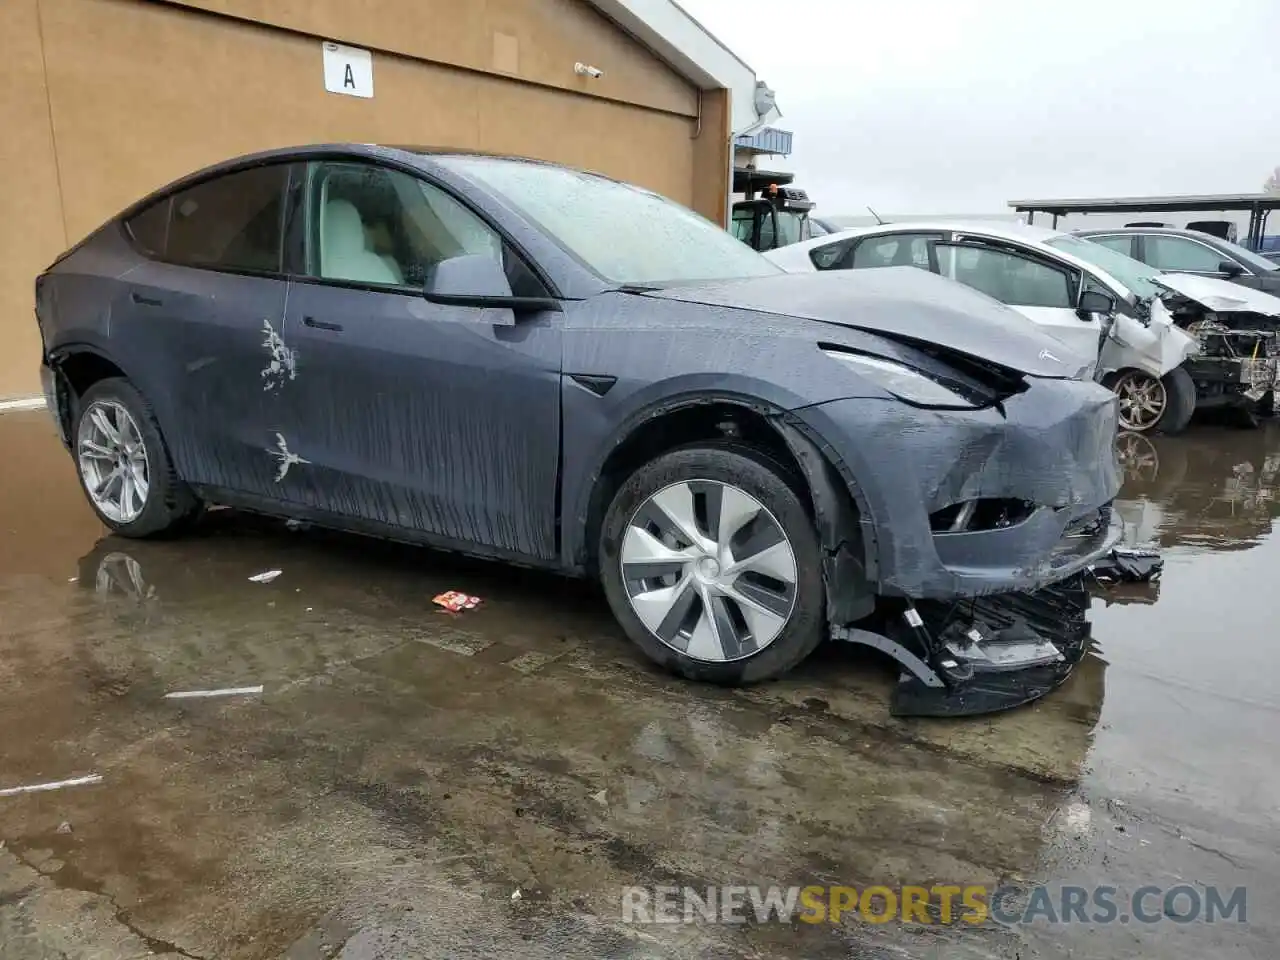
[
  {"x": 710, "y": 421},
  {"x": 78, "y": 372},
  {"x": 83, "y": 370}
]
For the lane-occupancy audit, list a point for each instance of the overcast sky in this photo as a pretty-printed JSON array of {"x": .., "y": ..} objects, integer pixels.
[{"x": 957, "y": 106}]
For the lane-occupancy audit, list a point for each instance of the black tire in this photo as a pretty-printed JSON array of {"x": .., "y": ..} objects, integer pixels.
[
  {"x": 1181, "y": 392},
  {"x": 1180, "y": 400},
  {"x": 754, "y": 473},
  {"x": 170, "y": 506}
]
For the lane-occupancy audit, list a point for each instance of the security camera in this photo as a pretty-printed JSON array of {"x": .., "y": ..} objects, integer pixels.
[{"x": 586, "y": 70}]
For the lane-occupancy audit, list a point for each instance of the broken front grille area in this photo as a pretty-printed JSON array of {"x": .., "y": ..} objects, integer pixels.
[{"x": 981, "y": 513}]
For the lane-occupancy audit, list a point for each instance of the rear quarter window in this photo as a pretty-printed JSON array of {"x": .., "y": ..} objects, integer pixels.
[{"x": 149, "y": 229}]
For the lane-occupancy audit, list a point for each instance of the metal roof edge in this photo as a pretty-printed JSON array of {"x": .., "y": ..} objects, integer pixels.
[
  {"x": 1170, "y": 202},
  {"x": 692, "y": 50}
]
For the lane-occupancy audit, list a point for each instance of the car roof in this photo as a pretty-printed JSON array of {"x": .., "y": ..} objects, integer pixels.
[
  {"x": 418, "y": 157},
  {"x": 1004, "y": 231},
  {"x": 1171, "y": 231},
  {"x": 1023, "y": 233}
]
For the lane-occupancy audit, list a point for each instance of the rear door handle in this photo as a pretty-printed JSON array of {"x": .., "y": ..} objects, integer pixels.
[
  {"x": 145, "y": 301},
  {"x": 320, "y": 324}
]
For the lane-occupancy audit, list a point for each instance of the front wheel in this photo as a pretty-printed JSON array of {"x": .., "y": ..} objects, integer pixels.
[
  {"x": 1148, "y": 404},
  {"x": 712, "y": 565}
]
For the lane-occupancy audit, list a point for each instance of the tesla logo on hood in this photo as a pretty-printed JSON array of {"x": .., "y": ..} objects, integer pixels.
[{"x": 1046, "y": 355}]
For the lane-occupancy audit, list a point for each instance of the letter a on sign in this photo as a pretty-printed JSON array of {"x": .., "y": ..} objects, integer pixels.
[{"x": 348, "y": 70}]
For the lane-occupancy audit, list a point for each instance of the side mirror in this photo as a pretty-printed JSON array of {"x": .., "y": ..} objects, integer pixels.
[
  {"x": 477, "y": 280},
  {"x": 1230, "y": 269},
  {"x": 1095, "y": 301}
]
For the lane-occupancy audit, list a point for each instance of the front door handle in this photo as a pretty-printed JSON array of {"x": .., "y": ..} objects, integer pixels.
[
  {"x": 320, "y": 324},
  {"x": 145, "y": 301}
]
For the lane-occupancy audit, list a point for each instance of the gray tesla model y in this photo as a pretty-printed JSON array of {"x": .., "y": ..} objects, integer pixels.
[{"x": 522, "y": 361}]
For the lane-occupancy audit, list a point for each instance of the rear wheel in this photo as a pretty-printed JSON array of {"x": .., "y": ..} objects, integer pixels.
[
  {"x": 712, "y": 565},
  {"x": 124, "y": 466},
  {"x": 1148, "y": 404}
]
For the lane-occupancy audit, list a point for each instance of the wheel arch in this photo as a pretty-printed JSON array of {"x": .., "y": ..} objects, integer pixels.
[
  {"x": 77, "y": 367},
  {"x": 835, "y": 501}
]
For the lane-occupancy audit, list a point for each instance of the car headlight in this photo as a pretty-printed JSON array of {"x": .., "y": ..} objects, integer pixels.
[{"x": 904, "y": 382}]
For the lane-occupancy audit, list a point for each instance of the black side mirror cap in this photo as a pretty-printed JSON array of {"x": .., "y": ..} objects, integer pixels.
[
  {"x": 1095, "y": 301},
  {"x": 1229, "y": 268}
]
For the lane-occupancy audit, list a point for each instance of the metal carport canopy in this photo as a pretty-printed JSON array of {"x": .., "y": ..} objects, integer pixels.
[{"x": 1257, "y": 204}]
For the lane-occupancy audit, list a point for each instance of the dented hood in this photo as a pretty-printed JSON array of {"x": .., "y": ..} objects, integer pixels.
[
  {"x": 1220, "y": 296},
  {"x": 898, "y": 302}
]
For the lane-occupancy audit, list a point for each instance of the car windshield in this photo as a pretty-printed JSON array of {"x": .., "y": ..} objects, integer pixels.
[
  {"x": 1134, "y": 274},
  {"x": 625, "y": 234},
  {"x": 1250, "y": 259}
]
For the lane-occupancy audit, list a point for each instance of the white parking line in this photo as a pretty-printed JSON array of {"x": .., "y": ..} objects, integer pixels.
[
  {"x": 24, "y": 403},
  {"x": 56, "y": 785},
  {"x": 226, "y": 692}
]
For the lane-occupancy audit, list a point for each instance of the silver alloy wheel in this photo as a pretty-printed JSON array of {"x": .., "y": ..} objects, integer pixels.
[
  {"x": 113, "y": 461},
  {"x": 709, "y": 570},
  {"x": 1143, "y": 399}
]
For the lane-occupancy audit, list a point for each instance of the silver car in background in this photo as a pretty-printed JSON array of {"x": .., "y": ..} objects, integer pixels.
[{"x": 1100, "y": 303}]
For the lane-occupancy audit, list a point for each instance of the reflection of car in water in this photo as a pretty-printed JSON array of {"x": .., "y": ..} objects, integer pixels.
[{"x": 1214, "y": 491}]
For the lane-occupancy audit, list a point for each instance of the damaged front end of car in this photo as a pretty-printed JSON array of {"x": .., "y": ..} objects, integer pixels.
[
  {"x": 960, "y": 655},
  {"x": 1237, "y": 331}
]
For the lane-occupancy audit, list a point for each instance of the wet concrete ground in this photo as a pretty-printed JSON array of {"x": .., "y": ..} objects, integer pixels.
[{"x": 404, "y": 772}]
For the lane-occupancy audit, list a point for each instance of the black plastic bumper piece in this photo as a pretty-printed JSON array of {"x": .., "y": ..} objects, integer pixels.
[{"x": 983, "y": 655}]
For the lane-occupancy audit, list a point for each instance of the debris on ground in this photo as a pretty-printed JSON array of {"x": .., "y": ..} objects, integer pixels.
[
  {"x": 224, "y": 692},
  {"x": 600, "y": 798},
  {"x": 455, "y": 601},
  {"x": 292, "y": 524},
  {"x": 266, "y": 576},
  {"x": 1129, "y": 565},
  {"x": 56, "y": 785},
  {"x": 516, "y": 895},
  {"x": 64, "y": 827}
]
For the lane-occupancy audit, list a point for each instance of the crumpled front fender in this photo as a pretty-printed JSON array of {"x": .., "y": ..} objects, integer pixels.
[{"x": 1156, "y": 347}]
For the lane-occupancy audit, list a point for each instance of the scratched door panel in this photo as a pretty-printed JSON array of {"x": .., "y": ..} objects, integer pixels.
[
  {"x": 426, "y": 417},
  {"x": 210, "y": 343}
]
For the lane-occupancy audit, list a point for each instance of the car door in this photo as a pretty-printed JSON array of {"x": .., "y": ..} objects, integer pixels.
[
  {"x": 442, "y": 421},
  {"x": 196, "y": 318},
  {"x": 1041, "y": 289}
]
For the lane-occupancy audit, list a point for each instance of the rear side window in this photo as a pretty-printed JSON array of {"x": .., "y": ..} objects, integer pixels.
[
  {"x": 1121, "y": 244},
  {"x": 150, "y": 228},
  {"x": 831, "y": 256},
  {"x": 233, "y": 222},
  {"x": 894, "y": 250}
]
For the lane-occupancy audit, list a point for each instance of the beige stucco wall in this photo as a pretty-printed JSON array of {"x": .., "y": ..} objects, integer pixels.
[{"x": 113, "y": 98}]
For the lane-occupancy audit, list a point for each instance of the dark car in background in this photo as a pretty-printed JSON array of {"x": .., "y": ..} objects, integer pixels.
[
  {"x": 1191, "y": 251},
  {"x": 521, "y": 361}
]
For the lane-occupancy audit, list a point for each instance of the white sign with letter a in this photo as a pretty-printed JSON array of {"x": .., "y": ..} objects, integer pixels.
[{"x": 348, "y": 70}]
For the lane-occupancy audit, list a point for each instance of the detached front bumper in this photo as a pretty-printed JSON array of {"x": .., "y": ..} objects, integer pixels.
[{"x": 1047, "y": 459}]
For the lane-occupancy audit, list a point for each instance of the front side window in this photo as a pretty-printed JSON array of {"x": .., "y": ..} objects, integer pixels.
[
  {"x": 1008, "y": 277},
  {"x": 624, "y": 234},
  {"x": 374, "y": 225},
  {"x": 232, "y": 222},
  {"x": 1134, "y": 274},
  {"x": 893, "y": 250},
  {"x": 1179, "y": 253}
]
